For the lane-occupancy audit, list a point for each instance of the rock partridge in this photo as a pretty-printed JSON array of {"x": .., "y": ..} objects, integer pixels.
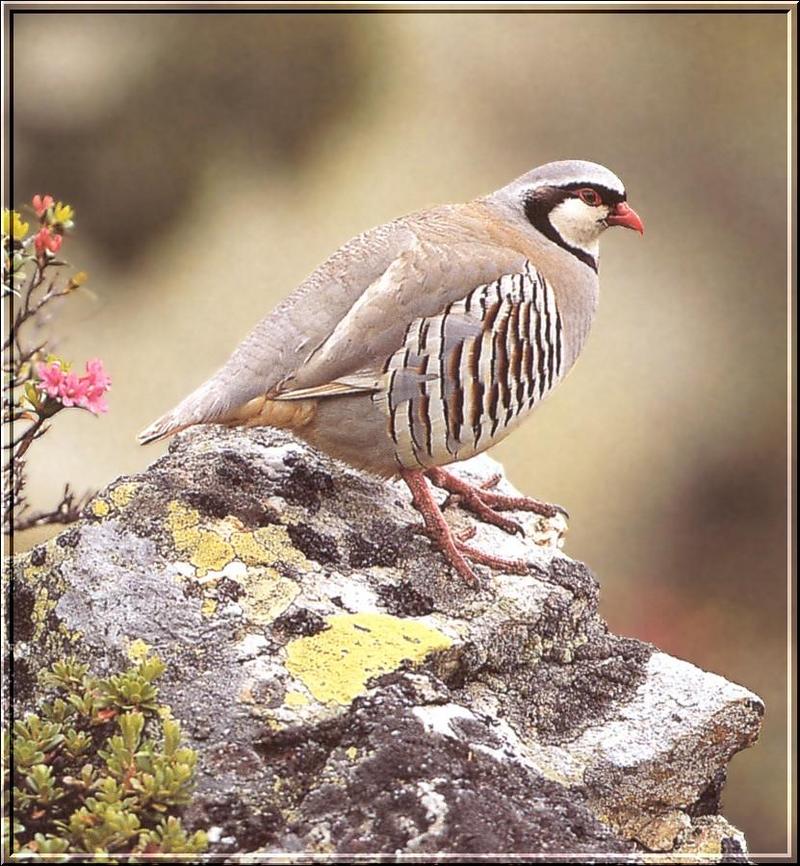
[{"x": 427, "y": 340}]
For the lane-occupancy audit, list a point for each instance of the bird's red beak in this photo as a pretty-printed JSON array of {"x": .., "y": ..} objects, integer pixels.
[{"x": 624, "y": 215}]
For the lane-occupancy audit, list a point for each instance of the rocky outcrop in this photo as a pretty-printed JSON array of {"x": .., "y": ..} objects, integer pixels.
[{"x": 347, "y": 692}]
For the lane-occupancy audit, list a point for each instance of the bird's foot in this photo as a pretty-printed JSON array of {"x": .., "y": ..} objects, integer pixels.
[
  {"x": 486, "y": 505},
  {"x": 491, "y": 482},
  {"x": 453, "y": 546}
]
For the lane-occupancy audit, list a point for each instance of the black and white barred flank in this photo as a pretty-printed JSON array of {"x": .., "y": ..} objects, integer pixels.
[{"x": 463, "y": 378}]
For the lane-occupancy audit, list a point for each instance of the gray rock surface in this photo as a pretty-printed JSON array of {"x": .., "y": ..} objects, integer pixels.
[{"x": 348, "y": 693}]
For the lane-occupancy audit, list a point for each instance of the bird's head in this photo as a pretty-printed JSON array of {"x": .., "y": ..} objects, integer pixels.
[{"x": 571, "y": 203}]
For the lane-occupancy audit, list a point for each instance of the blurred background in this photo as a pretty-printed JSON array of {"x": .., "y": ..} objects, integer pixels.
[{"x": 214, "y": 160}]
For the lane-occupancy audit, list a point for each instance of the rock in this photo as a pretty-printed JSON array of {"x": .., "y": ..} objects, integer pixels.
[{"x": 348, "y": 693}]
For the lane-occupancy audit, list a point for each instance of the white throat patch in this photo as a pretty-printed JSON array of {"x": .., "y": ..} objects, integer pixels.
[{"x": 579, "y": 225}]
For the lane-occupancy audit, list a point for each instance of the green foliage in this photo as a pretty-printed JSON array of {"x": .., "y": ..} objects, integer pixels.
[
  {"x": 96, "y": 771},
  {"x": 133, "y": 689}
]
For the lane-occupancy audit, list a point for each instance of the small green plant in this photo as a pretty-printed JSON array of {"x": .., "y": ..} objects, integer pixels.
[{"x": 96, "y": 771}]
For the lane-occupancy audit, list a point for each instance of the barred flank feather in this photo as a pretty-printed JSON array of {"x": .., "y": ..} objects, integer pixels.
[{"x": 462, "y": 378}]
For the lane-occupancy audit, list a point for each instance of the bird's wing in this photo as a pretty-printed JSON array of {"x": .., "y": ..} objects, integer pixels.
[
  {"x": 464, "y": 375},
  {"x": 349, "y": 316},
  {"x": 421, "y": 282},
  {"x": 282, "y": 340}
]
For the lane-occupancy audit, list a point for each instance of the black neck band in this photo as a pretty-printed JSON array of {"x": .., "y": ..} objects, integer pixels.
[{"x": 538, "y": 205}]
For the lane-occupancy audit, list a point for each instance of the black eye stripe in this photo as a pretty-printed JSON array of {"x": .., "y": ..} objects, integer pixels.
[
  {"x": 608, "y": 196},
  {"x": 589, "y": 196}
]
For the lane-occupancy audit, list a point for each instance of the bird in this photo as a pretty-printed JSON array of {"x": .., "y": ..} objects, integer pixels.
[{"x": 426, "y": 340}]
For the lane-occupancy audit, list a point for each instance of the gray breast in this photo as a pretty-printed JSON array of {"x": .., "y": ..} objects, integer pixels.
[{"x": 464, "y": 378}]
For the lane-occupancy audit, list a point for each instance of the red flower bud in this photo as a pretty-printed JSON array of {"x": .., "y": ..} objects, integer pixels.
[
  {"x": 41, "y": 203},
  {"x": 46, "y": 240}
]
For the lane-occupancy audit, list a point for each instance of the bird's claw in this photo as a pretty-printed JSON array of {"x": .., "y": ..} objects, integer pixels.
[{"x": 486, "y": 505}]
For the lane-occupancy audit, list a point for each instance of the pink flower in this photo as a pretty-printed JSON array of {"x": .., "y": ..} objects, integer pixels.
[
  {"x": 41, "y": 203},
  {"x": 97, "y": 375},
  {"x": 86, "y": 392},
  {"x": 50, "y": 376},
  {"x": 73, "y": 390},
  {"x": 96, "y": 404},
  {"x": 46, "y": 240},
  {"x": 97, "y": 383}
]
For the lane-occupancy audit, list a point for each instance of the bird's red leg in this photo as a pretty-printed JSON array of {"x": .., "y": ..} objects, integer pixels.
[
  {"x": 453, "y": 547},
  {"x": 486, "y": 505}
]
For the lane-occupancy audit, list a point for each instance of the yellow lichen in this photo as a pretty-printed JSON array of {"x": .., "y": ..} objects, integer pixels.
[
  {"x": 122, "y": 494},
  {"x": 211, "y": 546},
  {"x": 138, "y": 650},
  {"x": 204, "y": 548},
  {"x": 351, "y": 753},
  {"x": 295, "y": 699},
  {"x": 47, "y": 569},
  {"x": 266, "y": 546},
  {"x": 42, "y": 606},
  {"x": 32, "y": 573},
  {"x": 100, "y": 508},
  {"x": 267, "y": 594},
  {"x": 209, "y": 552},
  {"x": 335, "y": 664},
  {"x": 71, "y": 636},
  {"x": 181, "y": 518}
]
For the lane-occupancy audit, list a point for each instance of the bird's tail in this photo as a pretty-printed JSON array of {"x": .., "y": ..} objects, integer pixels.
[
  {"x": 203, "y": 406},
  {"x": 165, "y": 426}
]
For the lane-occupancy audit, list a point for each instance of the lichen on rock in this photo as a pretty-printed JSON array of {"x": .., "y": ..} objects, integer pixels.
[
  {"x": 347, "y": 693},
  {"x": 336, "y": 664}
]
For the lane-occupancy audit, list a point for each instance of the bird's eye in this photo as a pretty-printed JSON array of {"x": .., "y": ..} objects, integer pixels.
[{"x": 590, "y": 197}]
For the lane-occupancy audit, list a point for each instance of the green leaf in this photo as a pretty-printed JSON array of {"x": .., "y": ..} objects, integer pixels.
[
  {"x": 131, "y": 725},
  {"x": 172, "y": 736}
]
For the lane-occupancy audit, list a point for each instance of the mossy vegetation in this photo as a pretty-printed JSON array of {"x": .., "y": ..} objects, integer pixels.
[{"x": 99, "y": 769}]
